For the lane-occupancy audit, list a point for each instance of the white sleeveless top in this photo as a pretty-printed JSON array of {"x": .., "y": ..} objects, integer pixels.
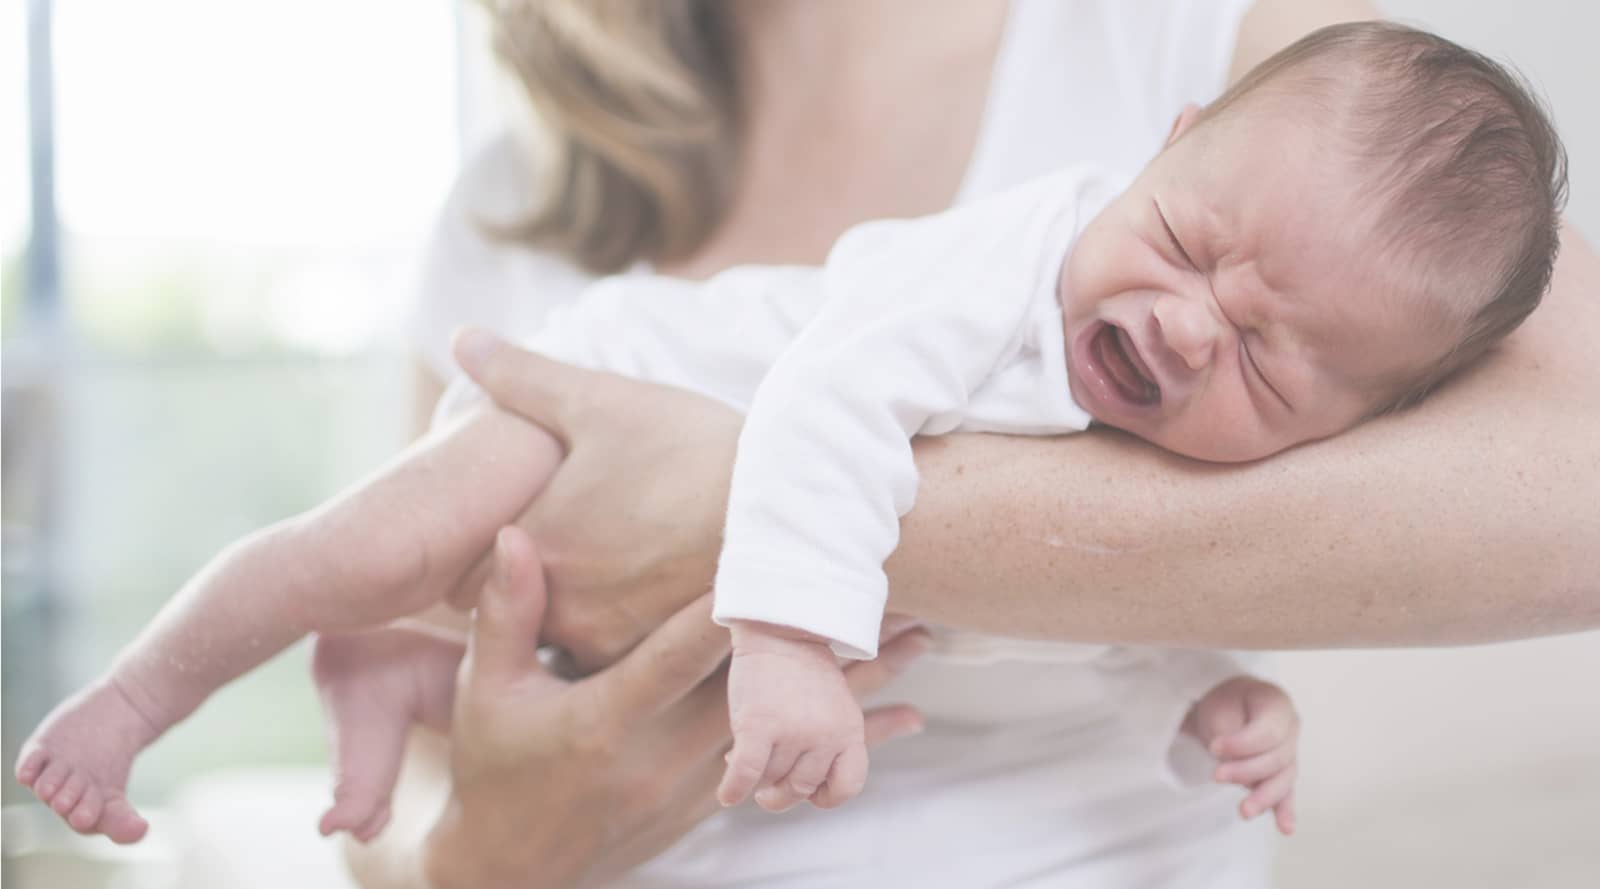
[{"x": 1030, "y": 774}]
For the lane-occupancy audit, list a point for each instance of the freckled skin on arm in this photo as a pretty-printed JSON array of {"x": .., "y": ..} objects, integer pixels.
[{"x": 1470, "y": 518}]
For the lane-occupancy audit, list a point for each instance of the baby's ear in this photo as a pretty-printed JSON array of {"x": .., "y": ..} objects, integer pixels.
[{"x": 1186, "y": 119}]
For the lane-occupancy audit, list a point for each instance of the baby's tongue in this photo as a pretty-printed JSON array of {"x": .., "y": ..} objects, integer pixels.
[{"x": 1116, "y": 354}]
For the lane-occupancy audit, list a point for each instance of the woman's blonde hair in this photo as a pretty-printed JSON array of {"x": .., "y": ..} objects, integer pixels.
[{"x": 637, "y": 101}]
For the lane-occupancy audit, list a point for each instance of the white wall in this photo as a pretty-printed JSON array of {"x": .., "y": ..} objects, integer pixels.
[
  {"x": 1556, "y": 43},
  {"x": 1468, "y": 767}
]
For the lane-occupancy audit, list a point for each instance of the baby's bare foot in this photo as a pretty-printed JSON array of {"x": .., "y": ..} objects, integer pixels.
[
  {"x": 77, "y": 762},
  {"x": 374, "y": 685}
]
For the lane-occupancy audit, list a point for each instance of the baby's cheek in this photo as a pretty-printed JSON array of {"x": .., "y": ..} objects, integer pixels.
[{"x": 1217, "y": 426}]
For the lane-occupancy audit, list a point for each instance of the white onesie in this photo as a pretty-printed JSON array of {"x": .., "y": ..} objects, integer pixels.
[{"x": 912, "y": 327}]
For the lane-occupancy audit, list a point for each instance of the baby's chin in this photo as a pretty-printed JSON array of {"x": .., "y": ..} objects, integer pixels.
[{"x": 1207, "y": 442}]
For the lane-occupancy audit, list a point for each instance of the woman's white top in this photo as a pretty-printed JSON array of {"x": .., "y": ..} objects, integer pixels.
[{"x": 1030, "y": 773}]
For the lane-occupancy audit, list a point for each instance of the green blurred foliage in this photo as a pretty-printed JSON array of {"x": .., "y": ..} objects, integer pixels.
[
  {"x": 178, "y": 433},
  {"x": 13, "y": 284}
]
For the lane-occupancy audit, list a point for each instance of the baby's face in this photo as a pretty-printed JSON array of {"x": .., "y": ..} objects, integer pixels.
[{"x": 1226, "y": 306}]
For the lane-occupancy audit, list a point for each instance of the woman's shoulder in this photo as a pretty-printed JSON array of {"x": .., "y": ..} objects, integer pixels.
[{"x": 472, "y": 275}]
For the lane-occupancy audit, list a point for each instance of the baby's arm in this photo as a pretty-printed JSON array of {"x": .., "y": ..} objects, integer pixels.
[
  {"x": 916, "y": 316},
  {"x": 381, "y": 550},
  {"x": 1252, "y": 729}
]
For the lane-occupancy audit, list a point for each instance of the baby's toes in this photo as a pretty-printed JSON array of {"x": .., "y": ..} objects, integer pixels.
[
  {"x": 86, "y": 814},
  {"x": 31, "y": 765},
  {"x": 50, "y": 783},
  {"x": 121, "y": 823},
  {"x": 349, "y": 812},
  {"x": 374, "y": 825},
  {"x": 71, "y": 791}
]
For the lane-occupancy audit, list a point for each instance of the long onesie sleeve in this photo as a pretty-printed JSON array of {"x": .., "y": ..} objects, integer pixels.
[{"x": 921, "y": 321}]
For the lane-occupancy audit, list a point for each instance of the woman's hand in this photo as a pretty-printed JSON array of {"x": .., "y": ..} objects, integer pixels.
[
  {"x": 563, "y": 783},
  {"x": 630, "y": 526}
]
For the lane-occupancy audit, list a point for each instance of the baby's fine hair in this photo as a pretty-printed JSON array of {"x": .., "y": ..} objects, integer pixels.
[{"x": 1462, "y": 162}]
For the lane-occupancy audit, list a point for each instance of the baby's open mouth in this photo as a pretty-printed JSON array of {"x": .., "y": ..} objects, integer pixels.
[{"x": 1115, "y": 351}]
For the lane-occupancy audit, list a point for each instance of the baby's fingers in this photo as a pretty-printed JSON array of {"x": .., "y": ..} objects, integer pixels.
[
  {"x": 809, "y": 771},
  {"x": 1269, "y": 793},
  {"x": 1263, "y": 732},
  {"x": 845, "y": 779},
  {"x": 1285, "y": 813},
  {"x": 1256, "y": 769},
  {"x": 747, "y": 762}
]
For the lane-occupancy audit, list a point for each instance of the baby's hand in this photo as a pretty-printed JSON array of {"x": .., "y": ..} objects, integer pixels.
[
  {"x": 1251, "y": 728},
  {"x": 797, "y": 730}
]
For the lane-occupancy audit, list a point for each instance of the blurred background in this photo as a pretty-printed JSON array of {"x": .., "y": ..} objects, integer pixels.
[{"x": 210, "y": 212}]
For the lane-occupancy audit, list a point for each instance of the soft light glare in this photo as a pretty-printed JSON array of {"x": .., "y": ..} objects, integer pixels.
[
  {"x": 290, "y": 122},
  {"x": 14, "y": 124}
]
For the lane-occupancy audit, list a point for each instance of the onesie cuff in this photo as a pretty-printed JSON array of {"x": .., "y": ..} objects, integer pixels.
[{"x": 838, "y": 610}]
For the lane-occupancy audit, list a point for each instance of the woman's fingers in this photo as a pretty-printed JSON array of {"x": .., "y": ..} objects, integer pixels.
[
  {"x": 668, "y": 664},
  {"x": 894, "y": 721},
  {"x": 866, "y": 677},
  {"x": 505, "y": 630},
  {"x": 895, "y": 623},
  {"x": 543, "y": 390}
]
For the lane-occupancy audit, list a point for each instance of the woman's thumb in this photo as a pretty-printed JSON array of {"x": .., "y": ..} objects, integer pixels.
[
  {"x": 505, "y": 628},
  {"x": 522, "y": 382}
]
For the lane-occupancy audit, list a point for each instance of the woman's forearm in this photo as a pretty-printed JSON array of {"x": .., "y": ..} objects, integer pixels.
[{"x": 1475, "y": 517}]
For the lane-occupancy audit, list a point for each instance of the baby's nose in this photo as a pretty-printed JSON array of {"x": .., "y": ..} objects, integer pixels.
[{"x": 1189, "y": 328}]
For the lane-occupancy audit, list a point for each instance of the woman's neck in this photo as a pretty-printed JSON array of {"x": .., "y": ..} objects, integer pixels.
[
  {"x": 837, "y": 42},
  {"x": 850, "y": 110}
]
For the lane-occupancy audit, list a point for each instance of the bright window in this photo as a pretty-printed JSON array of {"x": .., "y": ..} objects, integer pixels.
[{"x": 242, "y": 190}]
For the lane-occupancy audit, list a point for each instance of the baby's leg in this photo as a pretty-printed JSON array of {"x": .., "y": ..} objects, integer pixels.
[
  {"x": 374, "y": 684},
  {"x": 382, "y": 550}
]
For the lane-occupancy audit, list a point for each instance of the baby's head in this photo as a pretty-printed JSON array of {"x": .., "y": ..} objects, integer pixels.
[{"x": 1365, "y": 213}]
